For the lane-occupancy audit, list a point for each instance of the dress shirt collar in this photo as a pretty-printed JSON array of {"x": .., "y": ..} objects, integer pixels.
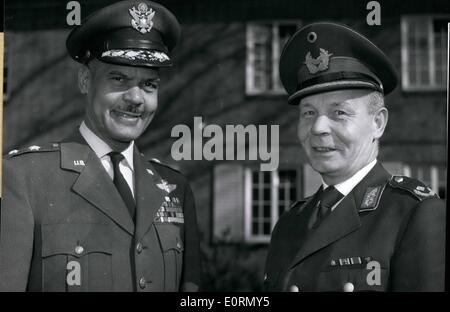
[
  {"x": 101, "y": 149},
  {"x": 347, "y": 186}
]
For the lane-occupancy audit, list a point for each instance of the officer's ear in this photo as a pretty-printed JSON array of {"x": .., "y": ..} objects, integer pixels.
[
  {"x": 84, "y": 78},
  {"x": 380, "y": 119}
]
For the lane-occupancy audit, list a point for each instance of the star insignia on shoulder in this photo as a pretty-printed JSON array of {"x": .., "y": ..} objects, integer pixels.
[{"x": 34, "y": 148}]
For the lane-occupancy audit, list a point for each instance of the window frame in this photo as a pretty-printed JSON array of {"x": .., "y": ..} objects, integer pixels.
[
  {"x": 407, "y": 86},
  {"x": 250, "y": 88},
  {"x": 274, "y": 202},
  {"x": 433, "y": 170}
]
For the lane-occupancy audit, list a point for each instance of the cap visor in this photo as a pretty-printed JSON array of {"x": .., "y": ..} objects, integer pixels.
[{"x": 144, "y": 58}]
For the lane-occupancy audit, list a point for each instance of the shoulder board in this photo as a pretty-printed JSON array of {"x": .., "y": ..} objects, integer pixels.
[
  {"x": 157, "y": 161},
  {"x": 34, "y": 149},
  {"x": 413, "y": 186}
]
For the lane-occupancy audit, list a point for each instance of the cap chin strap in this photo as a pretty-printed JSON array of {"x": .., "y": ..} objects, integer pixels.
[
  {"x": 294, "y": 99},
  {"x": 340, "y": 76}
]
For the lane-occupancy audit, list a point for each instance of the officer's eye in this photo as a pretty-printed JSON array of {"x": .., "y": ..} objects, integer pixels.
[
  {"x": 307, "y": 113},
  {"x": 341, "y": 113},
  {"x": 150, "y": 85},
  {"x": 118, "y": 79}
]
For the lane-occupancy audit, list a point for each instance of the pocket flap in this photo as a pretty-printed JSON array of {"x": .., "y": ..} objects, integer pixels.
[
  {"x": 169, "y": 236},
  {"x": 359, "y": 278},
  {"x": 75, "y": 239}
]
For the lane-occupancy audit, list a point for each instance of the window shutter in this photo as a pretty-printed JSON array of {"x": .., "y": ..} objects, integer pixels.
[
  {"x": 311, "y": 180},
  {"x": 258, "y": 46},
  {"x": 228, "y": 213}
]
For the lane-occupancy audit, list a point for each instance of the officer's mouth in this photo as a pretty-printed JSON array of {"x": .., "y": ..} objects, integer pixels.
[
  {"x": 126, "y": 114},
  {"x": 323, "y": 149}
]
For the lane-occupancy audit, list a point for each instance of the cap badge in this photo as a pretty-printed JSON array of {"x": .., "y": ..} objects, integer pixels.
[
  {"x": 312, "y": 37},
  {"x": 142, "y": 18},
  {"x": 317, "y": 64}
]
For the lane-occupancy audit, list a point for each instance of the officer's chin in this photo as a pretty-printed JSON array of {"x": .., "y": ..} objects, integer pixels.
[{"x": 127, "y": 136}]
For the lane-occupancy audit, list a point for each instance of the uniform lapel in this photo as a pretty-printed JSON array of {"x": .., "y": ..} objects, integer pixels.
[
  {"x": 94, "y": 184},
  {"x": 344, "y": 219},
  {"x": 149, "y": 196}
]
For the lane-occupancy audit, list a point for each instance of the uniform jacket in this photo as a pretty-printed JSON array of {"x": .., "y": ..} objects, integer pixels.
[
  {"x": 61, "y": 214},
  {"x": 395, "y": 221}
]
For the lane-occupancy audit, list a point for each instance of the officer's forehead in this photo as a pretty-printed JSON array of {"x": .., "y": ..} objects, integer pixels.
[
  {"x": 132, "y": 71},
  {"x": 337, "y": 97}
]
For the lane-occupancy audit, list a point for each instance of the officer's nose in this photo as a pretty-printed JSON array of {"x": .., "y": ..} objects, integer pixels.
[
  {"x": 321, "y": 126},
  {"x": 134, "y": 96}
]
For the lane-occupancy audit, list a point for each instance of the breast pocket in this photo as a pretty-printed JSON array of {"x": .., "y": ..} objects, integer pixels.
[
  {"x": 172, "y": 247},
  {"x": 76, "y": 257},
  {"x": 353, "y": 279}
]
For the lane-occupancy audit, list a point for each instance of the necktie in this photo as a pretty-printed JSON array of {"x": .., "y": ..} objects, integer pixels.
[
  {"x": 326, "y": 199},
  {"x": 121, "y": 184}
]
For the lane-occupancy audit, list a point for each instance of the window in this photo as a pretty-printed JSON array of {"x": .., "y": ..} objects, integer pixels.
[
  {"x": 424, "y": 53},
  {"x": 433, "y": 176},
  {"x": 265, "y": 42},
  {"x": 268, "y": 195}
]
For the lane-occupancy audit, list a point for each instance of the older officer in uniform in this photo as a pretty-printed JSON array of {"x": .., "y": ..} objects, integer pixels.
[
  {"x": 364, "y": 229},
  {"x": 91, "y": 213}
]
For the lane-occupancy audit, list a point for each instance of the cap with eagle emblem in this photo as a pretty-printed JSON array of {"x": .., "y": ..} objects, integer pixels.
[
  {"x": 133, "y": 33},
  {"x": 326, "y": 56}
]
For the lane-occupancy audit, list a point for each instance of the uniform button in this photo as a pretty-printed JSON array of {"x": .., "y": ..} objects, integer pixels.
[
  {"x": 294, "y": 288},
  {"x": 139, "y": 248},
  {"x": 265, "y": 277},
  {"x": 142, "y": 282},
  {"x": 349, "y": 287},
  {"x": 398, "y": 179},
  {"x": 178, "y": 245},
  {"x": 79, "y": 250}
]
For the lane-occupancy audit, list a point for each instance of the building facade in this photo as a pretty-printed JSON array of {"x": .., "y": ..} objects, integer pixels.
[{"x": 226, "y": 74}]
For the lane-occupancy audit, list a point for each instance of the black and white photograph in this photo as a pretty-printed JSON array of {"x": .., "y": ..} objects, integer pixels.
[{"x": 252, "y": 146}]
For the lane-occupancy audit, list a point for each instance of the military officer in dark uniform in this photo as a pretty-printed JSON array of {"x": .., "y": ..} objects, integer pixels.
[
  {"x": 91, "y": 213},
  {"x": 364, "y": 229}
]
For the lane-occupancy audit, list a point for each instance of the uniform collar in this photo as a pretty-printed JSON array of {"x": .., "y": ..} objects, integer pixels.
[
  {"x": 347, "y": 186},
  {"x": 101, "y": 149}
]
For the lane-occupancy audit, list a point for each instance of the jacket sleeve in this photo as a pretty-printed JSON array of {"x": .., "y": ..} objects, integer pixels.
[
  {"x": 191, "y": 277},
  {"x": 16, "y": 229},
  {"x": 419, "y": 260}
]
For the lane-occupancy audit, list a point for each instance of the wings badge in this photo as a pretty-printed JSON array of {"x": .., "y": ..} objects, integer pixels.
[{"x": 166, "y": 186}]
